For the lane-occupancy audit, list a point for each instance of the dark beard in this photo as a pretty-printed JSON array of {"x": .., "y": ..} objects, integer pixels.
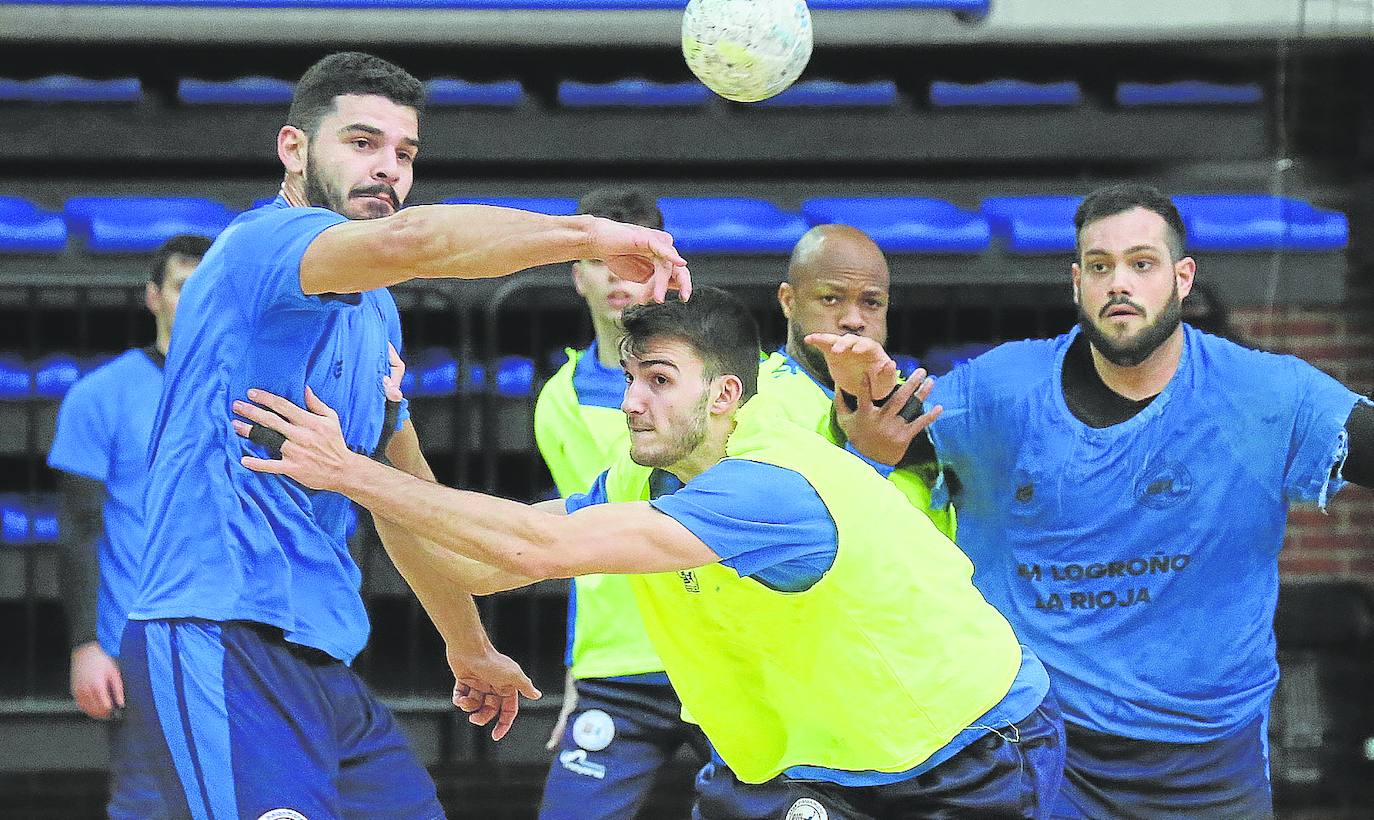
[
  {"x": 320, "y": 197},
  {"x": 690, "y": 439},
  {"x": 1147, "y": 342},
  {"x": 807, "y": 356}
]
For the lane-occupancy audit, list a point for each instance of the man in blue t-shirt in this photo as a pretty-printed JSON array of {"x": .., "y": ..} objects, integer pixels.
[
  {"x": 1123, "y": 490},
  {"x": 720, "y": 495},
  {"x": 101, "y": 449},
  {"x": 240, "y": 699}
]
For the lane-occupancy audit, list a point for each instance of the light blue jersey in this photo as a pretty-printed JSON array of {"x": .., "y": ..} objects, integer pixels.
[
  {"x": 225, "y": 543},
  {"x": 1139, "y": 561},
  {"x": 103, "y": 429}
]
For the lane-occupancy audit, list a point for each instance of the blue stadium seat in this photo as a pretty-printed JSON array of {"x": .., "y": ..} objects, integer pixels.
[
  {"x": 16, "y": 379},
  {"x": 140, "y": 224},
  {"x": 1004, "y": 93},
  {"x": 514, "y": 377},
  {"x": 54, "y": 375},
  {"x": 940, "y": 359},
  {"x": 445, "y": 91},
  {"x": 62, "y": 88},
  {"x": 730, "y": 225},
  {"x": 905, "y": 224},
  {"x": 14, "y": 520},
  {"x": 1188, "y": 92},
  {"x": 25, "y": 228},
  {"x": 553, "y": 205},
  {"x": 833, "y": 94},
  {"x": 1259, "y": 222},
  {"x": 238, "y": 91},
  {"x": 432, "y": 372},
  {"x": 632, "y": 93},
  {"x": 1032, "y": 224},
  {"x": 43, "y": 520}
]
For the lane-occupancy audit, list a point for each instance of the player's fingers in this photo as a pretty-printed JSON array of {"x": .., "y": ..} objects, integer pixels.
[
  {"x": 865, "y": 396},
  {"x": 927, "y": 385},
  {"x": 285, "y": 408},
  {"x": 263, "y": 465},
  {"x": 263, "y": 416},
  {"x": 527, "y": 688},
  {"x": 661, "y": 243},
  {"x": 663, "y": 272},
  {"x": 924, "y": 420},
  {"x": 243, "y": 428},
  {"x": 393, "y": 357},
  {"x": 510, "y": 707},
  {"x": 823, "y": 341},
  {"x": 682, "y": 277},
  {"x": 100, "y": 699},
  {"x": 116, "y": 684},
  {"x": 316, "y": 405},
  {"x": 842, "y": 410},
  {"x": 898, "y": 399}
]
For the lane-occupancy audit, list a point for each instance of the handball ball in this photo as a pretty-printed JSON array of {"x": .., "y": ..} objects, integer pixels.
[{"x": 746, "y": 50}]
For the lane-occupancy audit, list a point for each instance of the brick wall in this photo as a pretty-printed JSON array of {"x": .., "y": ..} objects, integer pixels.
[{"x": 1340, "y": 341}]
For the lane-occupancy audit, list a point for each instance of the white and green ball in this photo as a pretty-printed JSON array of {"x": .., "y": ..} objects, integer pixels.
[{"x": 746, "y": 50}]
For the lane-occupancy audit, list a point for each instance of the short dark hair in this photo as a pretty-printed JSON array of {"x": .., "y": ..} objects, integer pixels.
[
  {"x": 716, "y": 325},
  {"x": 350, "y": 72},
  {"x": 1118, "y": 199},
  {"x": 623, "y": 205},
  {"x": 183, "y": 244}
]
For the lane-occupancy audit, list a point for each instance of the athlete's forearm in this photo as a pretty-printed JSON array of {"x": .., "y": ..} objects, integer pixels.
[
  {"x": 82, "y": 520},
  {"x": 505, "y": 534},
  {"x": 440, "y": 242}
]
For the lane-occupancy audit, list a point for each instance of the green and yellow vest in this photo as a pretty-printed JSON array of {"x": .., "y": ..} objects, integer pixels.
[
  {"x": 791, "y": 394},
  {"x": 874, "y": 668},
  {"x": 578, "y": 443}
]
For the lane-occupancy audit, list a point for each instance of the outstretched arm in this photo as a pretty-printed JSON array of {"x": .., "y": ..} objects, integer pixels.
[
  {"x": 480, "y": 242},
  {"x": 515, "y": 537}
]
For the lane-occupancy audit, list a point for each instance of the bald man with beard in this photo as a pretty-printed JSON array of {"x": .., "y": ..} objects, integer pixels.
[{"x": 838, "y": 282}]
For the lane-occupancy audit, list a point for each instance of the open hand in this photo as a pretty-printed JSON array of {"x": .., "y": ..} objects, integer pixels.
[
  {"x": 314, "y": 452},
  {"x": 639, "y": 254},
  {"x": 884, "y": 433},
  {"x": 488, "y": 687},
  {"x": 851, "y": 358}
]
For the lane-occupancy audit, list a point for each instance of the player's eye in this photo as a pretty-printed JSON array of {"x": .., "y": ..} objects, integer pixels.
[
  {"x": 361, "y": 143},
  {"x": 829, "y": 299}
]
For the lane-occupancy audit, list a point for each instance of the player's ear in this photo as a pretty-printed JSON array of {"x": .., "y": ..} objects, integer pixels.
[
  {"x": 152, "y": 298},
  {"x": 1077, "y": 274},
  {"x": 292, "y": 145},
  {"x": 785, "y": 295},
  {"x": 1185, "y": 270},
  {"x": 728, "y": 391},
  {"x": 578, "y": 284}
]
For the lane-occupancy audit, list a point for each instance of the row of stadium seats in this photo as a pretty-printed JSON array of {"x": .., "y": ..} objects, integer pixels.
[
  {"x": 726, "y": 225},
  {"x": 27, "y": 520},
  {"x": 968, "y": 7},
  {"x": 433, "y": 372},
  {"x": 640, "y": 93}
]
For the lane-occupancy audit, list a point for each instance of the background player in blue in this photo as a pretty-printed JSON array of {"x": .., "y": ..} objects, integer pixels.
[
  {"x": 239, "y": 697},
  {"x": 101, "y": 448},
  {"x": 1123, "y": 490}
]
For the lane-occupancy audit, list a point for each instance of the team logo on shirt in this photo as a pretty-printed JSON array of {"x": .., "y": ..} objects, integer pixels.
[
  {"x": 689, "y": 580},
  {"x": 807, "y": 809},
  {"x": 593, "y": 730},
  {"x": 283, "y": 814},
  {"x": 1164, "y": 486},
  {"x": 575, "y": 761}
]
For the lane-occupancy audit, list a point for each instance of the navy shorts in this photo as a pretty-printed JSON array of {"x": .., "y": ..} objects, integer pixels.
[
  {"x": 1111, "y": 777},
  {"x": 1012, "y": 772},
  {"x": 228, "y": 720},
  {"x": 617, "y": 741}
]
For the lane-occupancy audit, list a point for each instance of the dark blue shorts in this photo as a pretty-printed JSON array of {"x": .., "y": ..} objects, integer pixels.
[
  {"x": 1012, "y": 772},
  {"x": 615, "y": 744},
  {"x": 227, "y": 720},
  {"x": 1111, "y": 777}
]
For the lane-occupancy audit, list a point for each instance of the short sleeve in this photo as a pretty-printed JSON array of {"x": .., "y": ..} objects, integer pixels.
[
  {"x": 1318, "y": 445},
  {"x": 595, "y": 495},
  {"x": 272, "y": 245},
  {"x": 954, "y": 432},
  {"x": 756, "y": 517},
  {"x": 84, "y": 441}
]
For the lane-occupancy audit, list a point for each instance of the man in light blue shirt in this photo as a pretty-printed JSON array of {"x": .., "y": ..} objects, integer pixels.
[
  {"x": 241, "y": 702},
  {"x": 101, "y": 449},
  {"x": 1122, "y": 491}
]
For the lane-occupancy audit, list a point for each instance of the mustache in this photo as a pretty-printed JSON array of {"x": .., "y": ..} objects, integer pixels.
[
  {"x": 1116, "y": 301},
  {"x": 379, "y": 188}
]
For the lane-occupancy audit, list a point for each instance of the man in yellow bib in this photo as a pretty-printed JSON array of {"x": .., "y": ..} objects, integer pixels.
[{"x": 813, "y": 623}]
